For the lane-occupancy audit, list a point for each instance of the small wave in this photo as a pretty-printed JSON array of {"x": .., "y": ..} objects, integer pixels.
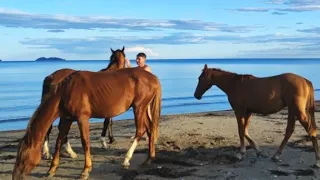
[
  {"x": 14, "y": 120},
  {"x": 191, "y": 97},
  {"x": 193, "y": 104}
]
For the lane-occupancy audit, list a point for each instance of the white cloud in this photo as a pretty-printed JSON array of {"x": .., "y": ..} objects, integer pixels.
[
  {"x": 18, "y": 19},
  {"x": 137, "y": 49}
]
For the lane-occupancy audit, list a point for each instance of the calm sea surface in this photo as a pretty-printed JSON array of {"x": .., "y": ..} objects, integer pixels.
[{"x": 21, "y": 83}]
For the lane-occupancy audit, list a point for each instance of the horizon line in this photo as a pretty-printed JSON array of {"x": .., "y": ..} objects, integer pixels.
[{"x": 152, "y": 59}]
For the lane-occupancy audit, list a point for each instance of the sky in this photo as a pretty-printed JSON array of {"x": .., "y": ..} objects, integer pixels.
[{"x": 86, "y": 30}]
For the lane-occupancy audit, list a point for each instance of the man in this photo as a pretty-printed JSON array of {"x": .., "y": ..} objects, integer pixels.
[{"x": 141, "y": 62}]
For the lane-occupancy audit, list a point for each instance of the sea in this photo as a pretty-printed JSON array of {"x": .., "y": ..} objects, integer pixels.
[{"x": 21, "y": 83}]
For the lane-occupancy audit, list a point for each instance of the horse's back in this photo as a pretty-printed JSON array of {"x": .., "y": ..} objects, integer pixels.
[{"x": 60, "y": 74}]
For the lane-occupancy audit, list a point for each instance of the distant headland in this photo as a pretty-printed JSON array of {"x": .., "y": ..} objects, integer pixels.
[{"x": 50, "y": 59}]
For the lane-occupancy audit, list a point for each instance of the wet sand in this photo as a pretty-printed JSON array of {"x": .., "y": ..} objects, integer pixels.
[{"x": 190, "y": 146}]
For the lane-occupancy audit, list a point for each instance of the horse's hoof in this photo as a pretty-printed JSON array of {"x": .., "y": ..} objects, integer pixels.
[
  {"x": 73, "y": 155},
  {"x": 147, "y": 162},
  {"x": 84, "y": 176},
  {"x": 111, "y": 140},
  {"x": 276, "y": 158},
  {"x": 261, "y": 155},
  {"x": 50, "y": 174},
  {"x": 317, "y": 164},
  {"x": 126, "y": 165},
  {"x": 240, "y": 156},
  {"x": 103, "y": 143},
  {"x": 47, "y": 156}
]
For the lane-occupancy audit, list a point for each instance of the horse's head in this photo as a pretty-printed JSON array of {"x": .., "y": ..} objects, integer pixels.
[
  {"x": 204, "y": 83},
  {"x": 117, "y": 59},
  {"x": 27, "y": 158}
]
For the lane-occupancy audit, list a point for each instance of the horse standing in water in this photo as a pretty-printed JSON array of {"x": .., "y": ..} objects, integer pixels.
[
  {"x": 117, "y": 61},
  {"x": 248, "y": 94},
  {"x": 83, "y": 95}
]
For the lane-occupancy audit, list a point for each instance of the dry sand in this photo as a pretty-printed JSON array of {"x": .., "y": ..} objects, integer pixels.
[{"x": 190, "y": 146}]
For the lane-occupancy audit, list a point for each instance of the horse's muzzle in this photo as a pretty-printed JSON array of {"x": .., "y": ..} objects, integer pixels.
[{"x": 197, "y": 96}]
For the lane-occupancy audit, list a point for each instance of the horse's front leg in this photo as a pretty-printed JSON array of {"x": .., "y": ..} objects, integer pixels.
[{"x": 241, "y": 130}]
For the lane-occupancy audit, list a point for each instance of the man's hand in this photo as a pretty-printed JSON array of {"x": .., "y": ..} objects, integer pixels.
[{"x": 128, "y": 62}]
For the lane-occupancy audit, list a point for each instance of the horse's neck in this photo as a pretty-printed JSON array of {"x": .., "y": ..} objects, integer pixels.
[
  {"x": 224, "y": 81},
  {"x": 115, "y": 66}
]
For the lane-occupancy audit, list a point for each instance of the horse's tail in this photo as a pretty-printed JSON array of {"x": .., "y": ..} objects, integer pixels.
[
  {"x": 310, "y": 108},
  {"x": 50, "y": 82},
  {"x": 46, "y": 85},
  {"x": 55, "y": 87},
  {"x": 49, "y": 88},
  {"x": 155, "y": 108},
  {"x": 50, "y": 92},
  {"x": 38, "y": 125}
]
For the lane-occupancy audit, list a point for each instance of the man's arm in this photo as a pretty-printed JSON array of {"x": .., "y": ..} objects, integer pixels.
[
  {"x": 128, "y": 63},
  {"x": 148, "y": 69}
]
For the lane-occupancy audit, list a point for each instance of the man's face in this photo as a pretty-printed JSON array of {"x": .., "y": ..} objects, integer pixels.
[{"x": 140, "y": 61}]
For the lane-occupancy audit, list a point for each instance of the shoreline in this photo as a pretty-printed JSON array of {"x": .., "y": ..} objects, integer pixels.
[
  {"x": 317, "y": 108},
  {"x": 130, "y": 119},
  {"x": 190, "y": 146}
]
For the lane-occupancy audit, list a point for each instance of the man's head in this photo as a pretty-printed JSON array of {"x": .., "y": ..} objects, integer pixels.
[{"x": 141, "y": 59}]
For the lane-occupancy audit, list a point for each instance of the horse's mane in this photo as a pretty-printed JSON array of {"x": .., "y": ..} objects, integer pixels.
[
  {"x": 112, "y": 62},
  {"x": 235, "y": 76}
]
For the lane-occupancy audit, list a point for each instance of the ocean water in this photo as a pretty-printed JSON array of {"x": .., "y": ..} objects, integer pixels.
[{"x": 21, "y": 83}]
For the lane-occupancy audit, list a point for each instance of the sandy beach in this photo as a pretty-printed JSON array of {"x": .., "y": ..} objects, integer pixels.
[{"x": 190, "y": 146}]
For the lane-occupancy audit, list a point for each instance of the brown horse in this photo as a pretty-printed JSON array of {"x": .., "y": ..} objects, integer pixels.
[
  {"x": 117, "y": 61},
  {"x": 83, "y": 95},
  {"x": 248, "y": 94}
]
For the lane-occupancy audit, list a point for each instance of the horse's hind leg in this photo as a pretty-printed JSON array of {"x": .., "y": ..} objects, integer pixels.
[
  {"x": 140, "y": 122},
  {"x": 107, "y": 125},
  {"x": 64, "y": 127},
  {"x": 252, "y": 143},
  {"x": 83, "y": 123},
  {"x": 152, "y": 139},
  {"x": 310, "y": 127},
  {"x": 110, "y": 132},
  {"x": 68, "y": 149},
  {"x": 289, "y": 130},
  {"x": 45, "y": 149}
]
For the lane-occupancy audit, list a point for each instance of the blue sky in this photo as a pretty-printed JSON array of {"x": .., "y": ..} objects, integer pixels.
[{"x": 82, "y": 30}]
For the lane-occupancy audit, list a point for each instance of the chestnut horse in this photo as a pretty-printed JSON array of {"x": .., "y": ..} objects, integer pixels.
[
  {"x": 83, "y": 95},
  {"x": 248, "y": 94},
  {"x": 117, "y": 61}
]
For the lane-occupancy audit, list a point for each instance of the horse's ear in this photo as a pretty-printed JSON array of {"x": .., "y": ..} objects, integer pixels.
[
  {"x": 122, "y": 49},
  {"x": 205, "y": 67},
  {"x": 112, "y": 50}
]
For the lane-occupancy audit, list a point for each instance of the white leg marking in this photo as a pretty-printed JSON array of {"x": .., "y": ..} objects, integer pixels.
[
  {"x": 130, "y": 153},
  {"x": 69, "y": 150},
  {"x": 46, "y": 153},
  {"x": 103, "y": 142}
]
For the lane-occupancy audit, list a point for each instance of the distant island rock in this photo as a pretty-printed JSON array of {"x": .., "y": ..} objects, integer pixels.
[{"x": 50, "y": 59}]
